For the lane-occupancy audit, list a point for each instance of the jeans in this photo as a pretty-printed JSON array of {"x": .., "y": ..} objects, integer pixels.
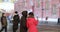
[{"x": 5, "y": 27}]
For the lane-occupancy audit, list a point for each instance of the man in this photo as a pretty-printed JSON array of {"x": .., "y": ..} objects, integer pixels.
[
  {"x": 4, "y": 22},
  {"x": 23, "y": 27},
  {"x": 15, "y": 21}
]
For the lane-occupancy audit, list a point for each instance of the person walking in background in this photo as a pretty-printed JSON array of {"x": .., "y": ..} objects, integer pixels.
[
  {"x": 32, "y": 23},
  {"x": 23, "y": 27},
  {"x": 4, "y": 22},
  {"x": 16, "y": 19}
]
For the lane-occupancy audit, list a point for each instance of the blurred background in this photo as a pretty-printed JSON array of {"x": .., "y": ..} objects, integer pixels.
[{"x": 47, "y": 12}]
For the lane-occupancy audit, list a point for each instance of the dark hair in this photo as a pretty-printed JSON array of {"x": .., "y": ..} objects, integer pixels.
[
  {"x": 31, "y": 13},
  {"x": 16, "y": 12},
  {"x": 3, "y": 14},
  {"x": 24, "y": 13}
]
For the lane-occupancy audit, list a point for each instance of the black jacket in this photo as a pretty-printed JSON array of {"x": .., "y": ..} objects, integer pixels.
[
  {"x": 3, "y": 20},
  {"x": 23, "y": 27},
  {"x": 16, "y": 19}
]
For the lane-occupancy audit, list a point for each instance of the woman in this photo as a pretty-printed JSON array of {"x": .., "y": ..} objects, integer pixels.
[
  {"x": 32, "y": 23},
  {"x": 23, "y": 21}
]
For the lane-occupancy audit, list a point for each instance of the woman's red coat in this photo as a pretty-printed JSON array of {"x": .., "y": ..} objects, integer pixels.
[{"x": 32, "y": 25}]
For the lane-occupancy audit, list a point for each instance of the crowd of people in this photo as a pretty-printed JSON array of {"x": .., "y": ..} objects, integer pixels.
[{"x": 27, "y": 22}]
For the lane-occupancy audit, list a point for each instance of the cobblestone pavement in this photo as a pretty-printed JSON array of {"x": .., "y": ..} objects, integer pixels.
[
  {"x": 48, "y": 27},
  {"x": 42, "y": 27}
]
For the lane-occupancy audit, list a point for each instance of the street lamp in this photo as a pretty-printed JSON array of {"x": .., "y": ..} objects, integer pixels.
[{"x": 42, "y": 10}]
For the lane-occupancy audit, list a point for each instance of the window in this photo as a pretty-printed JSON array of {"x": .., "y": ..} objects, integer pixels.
[
  {"x": 47, "y": 6},
  {"x": 38, "y": 1},
  {"x": 54, "y": 10},
  {"x": 24, "y": 2}
]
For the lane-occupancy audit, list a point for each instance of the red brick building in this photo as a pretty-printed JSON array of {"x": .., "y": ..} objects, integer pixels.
[{"x": 41, "y": 8}]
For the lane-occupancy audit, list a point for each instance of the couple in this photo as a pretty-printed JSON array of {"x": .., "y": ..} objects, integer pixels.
[
  {"x": 28, "y": 23},
  {"x": 4, "y": 21}
]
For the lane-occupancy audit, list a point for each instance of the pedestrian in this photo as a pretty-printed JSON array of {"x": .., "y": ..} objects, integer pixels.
[
  {"x": 23, "y": 27},
  {"x": 4, "y": 22},
  {"x": 46, "y": 19},
  {"x": 32, "y": 23},
  {"x": 16, "y": 19}
]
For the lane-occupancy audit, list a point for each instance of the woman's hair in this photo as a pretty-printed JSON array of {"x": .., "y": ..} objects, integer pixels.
[
  {"x": 24, "y": 13},
  {"x": 3, "y": 14},
  {"x": 31, "y": 13}
]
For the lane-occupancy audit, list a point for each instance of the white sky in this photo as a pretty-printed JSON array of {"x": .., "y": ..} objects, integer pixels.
[{"x": 7, "y": 6}]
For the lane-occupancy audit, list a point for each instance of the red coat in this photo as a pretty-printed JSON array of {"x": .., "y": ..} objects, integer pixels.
[{"x": 31, "y": 25}]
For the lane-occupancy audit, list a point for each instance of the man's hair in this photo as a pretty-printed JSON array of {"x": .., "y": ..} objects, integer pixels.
[{"x": 16, "y": 12}]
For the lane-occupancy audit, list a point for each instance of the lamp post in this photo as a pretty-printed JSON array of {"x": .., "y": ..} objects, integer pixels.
[{"x": 42, "y": 10}]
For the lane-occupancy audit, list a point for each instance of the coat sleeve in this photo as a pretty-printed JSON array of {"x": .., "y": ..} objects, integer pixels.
[
  {"x": 27, "y": 23},
  {"x": 2, "y": 20},
  {"x": 36, "y": 22}
]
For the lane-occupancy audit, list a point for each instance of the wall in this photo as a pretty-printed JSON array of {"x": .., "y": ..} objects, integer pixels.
[{"x": 50, "y": 7}]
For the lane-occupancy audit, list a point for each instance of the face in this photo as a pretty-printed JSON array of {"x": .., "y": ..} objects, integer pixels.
[
  {"x": 15, "y": 14},
  {"x": 4, "y": 15}
]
